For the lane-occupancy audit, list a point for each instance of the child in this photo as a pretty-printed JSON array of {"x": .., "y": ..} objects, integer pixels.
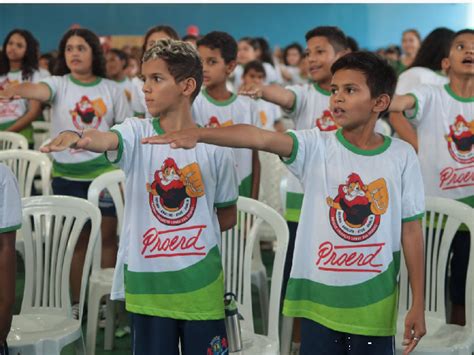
[
  {"x": 443, "y": 116},
  {"x": 10, "y": 222},
  {"x": 363, "y": 201},
  {"x": 177, "y": 203},
  {"x": 270, "y": 114},
  {"x": 19, "y": 63},
  {"x": 116, "y": 62},
  {"x": 80, "y": 98},
  {"x": 215, "y": 106}
]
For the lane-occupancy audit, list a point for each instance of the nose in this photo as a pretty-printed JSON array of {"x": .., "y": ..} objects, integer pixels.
[{"x": 146, "y": 87}]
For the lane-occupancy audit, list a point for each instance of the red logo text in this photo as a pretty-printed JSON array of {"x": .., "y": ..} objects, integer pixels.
[{"x": 451, "y": 178}]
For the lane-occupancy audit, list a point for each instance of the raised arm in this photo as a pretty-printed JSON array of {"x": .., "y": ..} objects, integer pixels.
[
  {"x": 92, "y": 140},
  {"x": 404, "y": 129},
  {"x": 32, "y": 91},
  {"x": 236, "y": 136},
  {"x": 402, "y": 103},
  {"x": 412, "y": 242},
  {"x": 272, "y": 93}
]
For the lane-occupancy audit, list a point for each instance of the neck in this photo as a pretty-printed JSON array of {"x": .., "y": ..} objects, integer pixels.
[
  {"x": 462, "y": 86},
  {"x": 219, "y": 92},
  {"x": 325, "y": 84},
  {"x": 119, "y": 77},
  {"x": 15, "y": 66},
  {"x": 177, "y": 118},
  {"x": 363, "y": 136},
  {"x": 85, "y": 78}
]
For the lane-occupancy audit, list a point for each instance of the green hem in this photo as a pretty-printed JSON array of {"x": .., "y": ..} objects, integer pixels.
[
  {"x": 51, "y": 92},
  {"x": 119, "y": 150},
  {"x": 14, "y": 71},
  {"x": 416, "y": 108},
  {"x": 369, "y": 152},
  {"x": 87, "y": 170},
  {"x": 227, "y": 102},
  {"x": 457, "y": 97},
  {"x": 413, "y": 218},
  {"x": 80, "y": 83},
  {"x": 225, "y": 204},
  {"x": 294, "y": 150},
  {"x": 321, "y": 90},
  {"x": 172, "y": 314},
  {"x": 293, "y": 107},
  {"x": 155, "y": 121},
  {"x": 10, "y": 229}
]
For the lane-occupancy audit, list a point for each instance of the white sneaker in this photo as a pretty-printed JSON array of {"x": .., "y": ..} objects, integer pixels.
[{"x": 75, "y": 311}]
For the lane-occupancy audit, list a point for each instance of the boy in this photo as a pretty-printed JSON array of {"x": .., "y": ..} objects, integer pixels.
[
  {"x": 216, "y": 106},
  {"x": 270, "y": 114},
  {"x": 177, "y": 204},
  {"x": 443, "y": 117},
  {"x": 116, "y": 63},
  {"x": 363, "y": 200},
  {"x": 10, "y": 222}
]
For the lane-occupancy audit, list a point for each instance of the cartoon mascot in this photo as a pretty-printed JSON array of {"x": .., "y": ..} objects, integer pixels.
[{"x": 461, "y": 133}]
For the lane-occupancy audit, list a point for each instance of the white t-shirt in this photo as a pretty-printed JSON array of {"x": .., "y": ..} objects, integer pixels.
[
  {"x": 268, "y": 113},
  {"x": 169, "y": 253},
  {"x": 11, "y": 111},
  {"x": 445, "y": 128},
  {"x": 413, "y": 77},
  {"x": 128, "y": 88},
  {"x": 138, "y": 103},
  {"x": 10, "y": 201},
  {"x": 347, "y": 252},
  {"x": 208, "y": 112},
  {"x": 77, "y": 106}
]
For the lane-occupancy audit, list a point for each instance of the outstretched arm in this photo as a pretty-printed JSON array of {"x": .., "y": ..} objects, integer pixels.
[
  {"x": 236, "y": 136},
  {"x": 272, "y": 93},
  {"x": 412, "y": 242},
  {"x": 31, "y": 91},
  {"x": 402, "y": 103},
  {"x": 404, "y": 129},
  {"x": 92, "y": 140}
]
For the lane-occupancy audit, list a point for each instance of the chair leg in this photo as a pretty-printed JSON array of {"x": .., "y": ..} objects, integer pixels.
[
  {"x": 263, "y": 295},
  {"x": 286, "y": 334},
  {"x": 79, "y": 346},
  {"x": 109, "y": 325},
  {"x": 92, "y": 319}
]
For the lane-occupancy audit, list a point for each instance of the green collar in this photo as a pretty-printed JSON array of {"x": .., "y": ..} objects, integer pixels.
[
  {"x": 386, "y": 143},
  {"x": 219, "y": 103},
  {"x": 155, "y": 121},
  {"x": 457, "y": 97},
  {"x": 78, "y": 82},
  {"x": 321, "y": 90},
  {"x": 14, "y": 71}
]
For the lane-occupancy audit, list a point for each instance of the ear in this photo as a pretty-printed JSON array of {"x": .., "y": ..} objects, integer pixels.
[
  {"x": 189, "y": 86},
  {"x": 342, "y": 53},
  {"x": 381, "y": 103},
  {"x": 229, "y": 67},
  {"x": 445, "y": 65}
]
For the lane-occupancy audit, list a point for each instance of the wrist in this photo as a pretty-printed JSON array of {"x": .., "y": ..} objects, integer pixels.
[{"x": 80, "y": 134}]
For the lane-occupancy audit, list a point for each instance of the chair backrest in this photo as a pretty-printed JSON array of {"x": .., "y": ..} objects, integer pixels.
[
  {"x": 25, "y": 164},
  {"x": 114, "y": 182},
  {"x": 41, "y": 133},
  {"x": 237, "y": 247},
  {"x": 440, "y": 223},
  {"x": 12, "y": 140},
  {"x": 50, "y": 229}
]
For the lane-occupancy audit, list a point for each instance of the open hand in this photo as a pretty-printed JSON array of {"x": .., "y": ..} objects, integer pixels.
[
  {"x": 252, "y": 90},
  {"x": 415, "y": 329},
  {"x": 8, "y": 95},
  {"x": 186, "y": 139},
  {"x": 66, "y": 140}
]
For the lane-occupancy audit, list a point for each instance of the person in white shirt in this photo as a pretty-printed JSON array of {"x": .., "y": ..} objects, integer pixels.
[
  {"x": 116, "y": 62},
  {"x": 19, "y": 63}
]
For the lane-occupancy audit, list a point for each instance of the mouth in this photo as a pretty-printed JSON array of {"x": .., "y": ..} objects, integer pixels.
[
  {"x": 337, "y": 112},
  {"x": 75, "y": 61},
  {"x": 314, "y": 68},
  {"x": 468, "y": 60}
]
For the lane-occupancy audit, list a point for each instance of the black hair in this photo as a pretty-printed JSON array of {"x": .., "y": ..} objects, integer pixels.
[
  {"x": 433, "y": 49},
  {"x": 30, "y": 60},
  {"x": 393, "y": 50},
  {"x": 254, "y": 65},
  {"x": 379, "y": 74},
  {"x": 334, "y": 35},
  {"x": 189, "y": 37},
  {"x": 98, "y": 60},
  {"x": 181, "y": 58},
  {"x": 352, "y": 44},
  {"x": 170, "y": 32},
  {"x": 266, "y": 54},
  {"x": 294, "y": 45},
  {"x": 415, "y": 32},
  {"x": 222, "y": 41},
  {"x": 459, "y": 33},
  {"x": 121, "y": 55},
  {"x": 51, "y": 60}
]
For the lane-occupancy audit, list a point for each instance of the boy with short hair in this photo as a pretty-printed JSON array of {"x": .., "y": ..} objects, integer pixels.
[
  {"x": 216, "y": 106},
  {"x": 443, "y": 116},
  {"x": 270, "y": 114},
  {"x": 177, "y": 203},
  {"x": 364, "y": 200},
  {"x": 10, "y": 222}
]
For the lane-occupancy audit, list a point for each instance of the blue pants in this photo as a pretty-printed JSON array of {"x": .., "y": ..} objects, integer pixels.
[
  {"x": 319, "y": 340},
  {"x": 160, "y": 336}
]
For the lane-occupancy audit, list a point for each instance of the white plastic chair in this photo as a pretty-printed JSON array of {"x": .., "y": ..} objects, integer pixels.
[
  {"x": 41, "y": 133},
  {"x": 51, "y": 228},
  {"x": 442, "y": 220},
  {"x": 100, "y": 282},
  {"x": 237, "y": 248},
  {"x": 12, "y": 140}
]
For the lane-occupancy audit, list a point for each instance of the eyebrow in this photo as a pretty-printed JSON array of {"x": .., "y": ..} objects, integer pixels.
[{"x": 345, "y": 85}]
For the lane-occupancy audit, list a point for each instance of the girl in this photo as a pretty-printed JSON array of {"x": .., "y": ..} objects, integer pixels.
[{"x": 19, "y": 63}]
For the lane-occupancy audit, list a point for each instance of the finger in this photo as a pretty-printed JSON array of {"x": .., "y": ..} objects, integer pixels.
[
  {"x": 409, "y": 348},
  {"x": 408, "y": 333},
  {"x": 156, "y": 140}
]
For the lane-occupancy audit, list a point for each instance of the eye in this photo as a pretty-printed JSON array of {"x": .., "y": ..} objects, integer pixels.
[
  {"x": 157, "y": 79},
  {"x": 350, "y": 90},
  {"x": 320, "y": 51},
  {"x": 333, "y": 91},
  {"x": 460, "y": 47}
]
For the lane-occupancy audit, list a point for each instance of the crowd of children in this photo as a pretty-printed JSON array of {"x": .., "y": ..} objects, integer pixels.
[{"x": 350, "y": 187}]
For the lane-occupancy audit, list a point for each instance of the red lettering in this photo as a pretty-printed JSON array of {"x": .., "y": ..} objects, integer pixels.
[{"x": 451, "y": 178}]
